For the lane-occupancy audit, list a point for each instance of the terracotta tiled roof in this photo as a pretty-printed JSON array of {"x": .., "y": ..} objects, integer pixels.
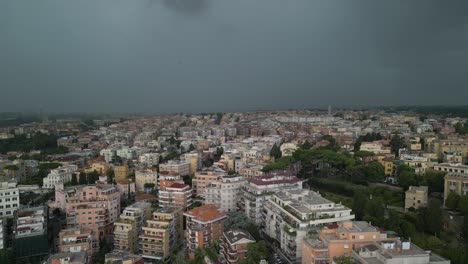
[
  {"x": 205, "y": 213},
  {"x": 178, "y": 185}
]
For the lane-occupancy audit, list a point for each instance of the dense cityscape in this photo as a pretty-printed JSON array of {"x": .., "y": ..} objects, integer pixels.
[{"x": 370, "y": 186}]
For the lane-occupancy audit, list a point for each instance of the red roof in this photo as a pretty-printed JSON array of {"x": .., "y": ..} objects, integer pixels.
[{"x": 178, "y": 185}]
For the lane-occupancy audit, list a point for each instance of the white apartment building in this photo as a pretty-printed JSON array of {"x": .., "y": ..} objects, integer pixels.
[
  {"x": 225, "y": 193},
  {"x": 107, "y": 154},
  {"x": 258, "y": 190},
  {"x": 58, "y": 176},
  {"x": 126, "y": 153},
  {"x": 451, "y": 167},
  {"x": 9, "y": 199},
  {"x": 290, "y": 214},
  {"x": 145, "y": 176},
  {"x": 149, "y": 159},
  {"x": 31, "y": 222}
]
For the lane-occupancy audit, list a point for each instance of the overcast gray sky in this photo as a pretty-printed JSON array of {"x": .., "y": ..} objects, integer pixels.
[{"x": 228, "y": 55}]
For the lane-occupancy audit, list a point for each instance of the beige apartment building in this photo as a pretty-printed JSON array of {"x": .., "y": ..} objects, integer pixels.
[
  {"x": 234, "y": 245},
  {"x": 180, "y": 167},
  {"x": 416, "y": 197},
  {"x": 78, "y": 239},
  {"x": 145, "y": 176},
  {"x": 455, "y": 182},
  {"x": 337, "y": 240},
  {"x": 204, "y": 226},
  {"x": 205, "y": 177},
  {"x": 130, "y": 225},
  {"x": 120, "y": 172},
  {"x": 161, "y": 233},
  {"x": 176, "y": 195}
]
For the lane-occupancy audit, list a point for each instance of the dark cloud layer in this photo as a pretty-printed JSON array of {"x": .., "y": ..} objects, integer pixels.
[{"x": 205, "y": 55}]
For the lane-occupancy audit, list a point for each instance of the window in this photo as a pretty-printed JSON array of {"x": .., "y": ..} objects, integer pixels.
[{"x": 346, "y": 246}]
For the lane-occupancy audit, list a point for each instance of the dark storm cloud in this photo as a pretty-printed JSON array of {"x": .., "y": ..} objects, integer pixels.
[{"x": 204, "y": 55}]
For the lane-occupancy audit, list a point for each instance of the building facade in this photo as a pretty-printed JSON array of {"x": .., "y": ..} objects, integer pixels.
[
  {"x": 204, "y": 225},
  {"x": 289, "y": 215},
  {"x": 162, "y": 233}
]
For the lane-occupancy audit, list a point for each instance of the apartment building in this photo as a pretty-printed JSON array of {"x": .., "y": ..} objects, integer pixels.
[
  {"x": 162, "y": 233},
  {"x": 143, "y": 177},
  {"x": 234, "y": 245},
  {"x": 176, "y": 195},
  {"x": 416, "y": 197},
  {"x": 417, "y": 163},
  {"x": 78, "y": 240},
  {"x": 451, "y": 167},
  {"x": 130, "y": 225},
  {"x": 455, "y": 182},
  {"x": 69, "y": 258},
  {"x": 290, "y": 214},
  {"x": 126, "y": 188},
  {"x": 9, "y": 199},
  {"x": 251, "y": 170},
  {"x": 120, "y": 172},
  {"x": 95, "y": 207},
  {"x": 60, "y": 175},
  {"x": 100, "y": 167},
  {"x": 181, "y": 167},
  {"x": 376, "y": 147},
  {"x": 30, "y": 239},
  {"x": 122, "y": 257},
  {"x": 149, "y": 159},
  {"x": 452, "y": 157},
  {"x": 226, "y": 193},
  {"x": 337, "y": 240},
  {"x": 205, "y": 177},
  {"x": 258, "y": 190},
  {"x": 395, "y": 252},
  {"x": 446, "y": 145},
  {"x": 204, "y": 225},
  {"x": 167, "y": 178},
  {"x": 194, "y": 160}
]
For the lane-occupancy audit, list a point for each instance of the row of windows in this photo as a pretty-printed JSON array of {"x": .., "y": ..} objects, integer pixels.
[
  {"x": 9, "y": 199},
  {"x": 7, "y": 193},
  {"x": 9, "y": 206}
]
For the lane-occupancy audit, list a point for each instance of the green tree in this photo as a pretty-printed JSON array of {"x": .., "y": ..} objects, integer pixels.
[
  {"x": 6, "y": 256},
  {"x": 191, "y": 148},
  {"x": 359, "y": 204},
  {"x": 363, "y": 154},
  {"x": 82, "y": 179},
  {"x": 275, "y": 152},
  {"x": 74, "y": 179},
  {"x": 149, "y": 187},
  {"x": 452, "y": 200},
  {"x": 396, "y": 143},
  {"x": 306, "y": 145},
  {"x": 430, "y": 218},
  {"x": 375, "y": 172},
  {"x": 255, "y": 252},
  {"x": 374, "y": 211},
  {"x": 110, "y": 176},
  {"x": 407, "y": 179},
  {"x": 463, "y": 205},
  {"x": 435, "y": 180},
  {"x": 342, "y": 260}
]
